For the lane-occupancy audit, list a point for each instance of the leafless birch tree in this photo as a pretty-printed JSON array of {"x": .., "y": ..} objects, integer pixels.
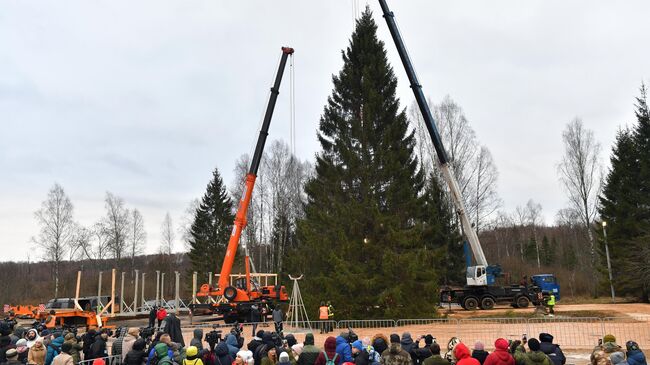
[
  {"x": 115, "y": 225},
  {"x": 167, "y": 236}
]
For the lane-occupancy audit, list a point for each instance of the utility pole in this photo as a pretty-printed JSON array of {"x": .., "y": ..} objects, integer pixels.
[{"x": 609, "y": 264}]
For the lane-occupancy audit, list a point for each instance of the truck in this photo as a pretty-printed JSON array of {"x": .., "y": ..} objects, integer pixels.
[
  {"x": 480, "y": 290},
  {"x": 235, "y": 302}
]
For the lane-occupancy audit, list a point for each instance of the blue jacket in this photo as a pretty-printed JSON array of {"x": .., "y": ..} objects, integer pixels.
[
  {"x": 343, "y": 349},
  {"x": 53, "y": 349},
  {"x": 636, "y": 357},
  {"x": 233, "y": 348}
]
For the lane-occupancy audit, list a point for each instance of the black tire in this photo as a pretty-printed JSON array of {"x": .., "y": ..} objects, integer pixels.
[
  {"x": 230, "y": 293},
  {"x": 471, "y": 303},
  {"x": 523, "y": 302},
  {"x": 487, "y": 303}
]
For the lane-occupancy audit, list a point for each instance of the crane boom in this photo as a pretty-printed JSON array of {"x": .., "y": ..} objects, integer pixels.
[
  {"x": 447, "y": 172},
  {"x": 240, "y": 218}
]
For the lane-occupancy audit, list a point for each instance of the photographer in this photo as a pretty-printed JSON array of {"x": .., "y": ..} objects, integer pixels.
[
  {"x": 343, "y": 347},
  {"x": 129, "y": 340},
  {"x": 423, "y": 353}
]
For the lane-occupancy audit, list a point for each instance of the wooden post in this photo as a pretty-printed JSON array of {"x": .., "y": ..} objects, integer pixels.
[
  {"x": 76, "y": 295},
  {"x": 162, "y": 287},
  {"x": 177, "y": 296},
  {"x": 122, "y": 292},
  {"x": 113, "y": 293},
  {"x": 157, "y": 287},
  {"x": 194, "y": 287},
  {"x": 135, "y": 294},
  {"x": 99, "y": 294},
  {"x": 144, "y": 274}
]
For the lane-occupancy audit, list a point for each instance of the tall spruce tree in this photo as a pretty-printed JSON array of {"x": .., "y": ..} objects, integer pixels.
[
  {"x": 211, "y": 228},
  {"x": 363, "y": 239},
  {"x": 625, "y": 206}
]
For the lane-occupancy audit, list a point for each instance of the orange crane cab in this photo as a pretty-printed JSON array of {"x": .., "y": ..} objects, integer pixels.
[{"x": 238, "y": 300}]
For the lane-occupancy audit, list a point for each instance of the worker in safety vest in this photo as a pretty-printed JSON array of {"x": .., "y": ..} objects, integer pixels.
[
  {"x": 551, "y": 303},
  {"x": 323, "y": 316},
  {"x": 50, "y": 320}
]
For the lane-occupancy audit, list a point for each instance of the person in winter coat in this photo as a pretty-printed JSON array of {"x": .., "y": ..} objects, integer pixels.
[
  {"x": 479, "y": 352},
  {"x": 116, "y": 348},
  {"x": 462, "y": 355},
  {"x": 161, "y": 313},
  {"x": 535, "y": 356},
  {"x": 395, "y": 355},
  {"x": 37, "y": 352},
  {"x": 634, "y": 354},
  {"x": 88, "y": 339},
  {"x": 232, "y": 343},
  {"x": 343, "y": 348},
  {"x": 256, "y": 341},
  {"x": 309, "y": 352},
  {"x": 618, "y": 358},
  {"x": 75, "y": 347},
  {"x": 173, "y": 327},
  {"x": 255, "y": 317},
  {"x": 129, "y": 339},
  {"x": 278, "y": 317},
  {"x": 222, "y": 355},
  {"x": 162, "y": 354},
  {"x": 435, "y": 358},
  {"x": 5, "y": 345},
  {"x": 192, "y": 356},
  {"x": 518, "y": 352},
  {"x": 380, "y": 343},
  {"x": 408, "y": 345},
  {"x": 53, "y": 349},
  {"x": 64, "y": 358},
  {"x": 329, "y": 354},
  {"x": 423, "y": 353},
  {"x": 283, "y": 359},
  {"x": 364, "y": 355},
  {"x": 600, "y": 354},
  {"x": 500, "y": 356},
  {"x": 32, "y": 336},
  {"x": 23, "y": 351},
  {"x": 152, "y": 317},
  {"x": 137, "y": 355},
  {"x": 197, "y": 339},
  {"x": 271, "y": 357},
  {"x": 12, "y": 357},
  {"x": 98, "y": 348},
  {"x": 553, "y": 351}
]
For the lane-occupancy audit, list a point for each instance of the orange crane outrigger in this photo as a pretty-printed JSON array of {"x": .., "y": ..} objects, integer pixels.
[{"x": 240, "y": 298}]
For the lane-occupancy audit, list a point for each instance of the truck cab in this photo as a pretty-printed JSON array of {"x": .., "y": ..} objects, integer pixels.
[{"x": 547, "y": 283}]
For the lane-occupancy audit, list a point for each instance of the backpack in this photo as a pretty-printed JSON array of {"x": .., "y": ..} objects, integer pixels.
[{"x": 332, "y": 361}]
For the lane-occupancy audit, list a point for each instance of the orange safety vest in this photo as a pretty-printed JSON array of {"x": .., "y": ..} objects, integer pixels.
[
  {"x": 323, "y": 312},
  {"x": 51, "y": 322}
]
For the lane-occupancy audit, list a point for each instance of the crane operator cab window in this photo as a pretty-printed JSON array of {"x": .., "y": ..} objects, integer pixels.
[{"x": 476, "y": 275}]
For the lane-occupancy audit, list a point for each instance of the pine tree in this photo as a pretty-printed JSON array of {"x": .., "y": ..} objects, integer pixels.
[
  {"x": 211, "y": 228},
  {"x": 546, "y": 252},
  {"x": 625, "y": 205},
  {"x": 362, "y": 241},
  {"x": 530, "y": 250}
]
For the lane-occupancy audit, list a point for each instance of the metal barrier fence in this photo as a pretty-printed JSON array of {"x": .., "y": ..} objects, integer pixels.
[
  {"x": 570, "y": 333},
  {"x": 108, "y": 360}
]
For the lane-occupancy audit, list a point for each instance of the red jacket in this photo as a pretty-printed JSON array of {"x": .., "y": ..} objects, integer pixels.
[
  {"x": 161, "y": 314},
  {"x": 500, "y": 356},
  {"x": 463, "y": 357},
  {"x": 330, "y": 349}
]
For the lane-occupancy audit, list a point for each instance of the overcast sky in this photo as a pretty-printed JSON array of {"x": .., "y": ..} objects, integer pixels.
[{"x": 144, "y": 98}]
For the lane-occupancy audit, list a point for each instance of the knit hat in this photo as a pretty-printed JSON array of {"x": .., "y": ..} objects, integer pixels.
[
  {"x": 533, "y": 344},
  {"x": 284, "y": 357},
  {"x": 394, "y": 338},
  {"x": 479, "y": 345},
  {"x": 545, "y": 337},
  {"x": 357, "y": 345},
  {"x": 192, "y": 351},
  {"x": 23, "y": 342},
  {"x": 297, "y": 348},
  {"x": 11, "y": 353},
  {"x": 501, "y": 344},
  {"x": 609, "y": 338},
  {"x": 630, "y": 345}
]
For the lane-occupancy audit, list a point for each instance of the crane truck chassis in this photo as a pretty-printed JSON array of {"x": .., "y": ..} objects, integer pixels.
[{"x": 487, "y": 296}]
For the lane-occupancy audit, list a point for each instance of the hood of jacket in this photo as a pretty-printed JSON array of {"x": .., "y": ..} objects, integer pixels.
[
  {"x": 330, "y": 344},
  {"x": 340, "y": 340},
  {"x": 503, "y": 355},
  {"x": 501, "y": 344},
  {"x": 309, "y": 339},
  {"x": 617, "y": 357},
  {"x": 231, "y": 340},
  {"x": 221, "y": 349},
  {"x": 610, "y": 347},
  {"x": 198, "y": 334},
  {"x": 161, "y": 350},
  {"x": 461, "y": 351}
]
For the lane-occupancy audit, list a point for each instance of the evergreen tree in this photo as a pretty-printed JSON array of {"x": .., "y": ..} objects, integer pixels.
[
  {"x": 530, "y": 250},
  {"x": 363, "y": 240},
  {"x": 211, "y": 228},
  {"x": 546, "y": 252},
  {"x": 625, "y": 205},
  {"x": 569, "y": 258}
]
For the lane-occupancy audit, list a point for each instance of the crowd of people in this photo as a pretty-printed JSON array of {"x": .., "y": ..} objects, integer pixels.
[{"x": 135, "y": 346}]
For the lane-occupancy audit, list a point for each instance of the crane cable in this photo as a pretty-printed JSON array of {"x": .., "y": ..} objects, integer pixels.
[{"x": 292, "y": 106}]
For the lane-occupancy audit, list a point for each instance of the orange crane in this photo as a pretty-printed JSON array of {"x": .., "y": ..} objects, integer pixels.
[{"x": 239, "y": 299}]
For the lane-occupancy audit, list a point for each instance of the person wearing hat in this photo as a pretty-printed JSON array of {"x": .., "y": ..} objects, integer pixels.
[
  {"x": 479, "y": 352},
  {"x": 76, "y": 347},
  {"x": 329, "y": 354},
  {"x": 127, "y": 342},
  {"x": 37, "y": 352},
  {"x": 54, "y": 348},
  {"x": 256, "y": 341},
  {"x": 461, "y": 353},
  {"x": 435, "y": 358},
  {"x": 23, "y": 350},
  {"x": 618, "y": 358},
  {"x": 309, "y": 352},
  {"x": 395, "y": 355},
  {"x": 553, "y": 351},
  {"x": 634, "y": 354},
  {"x": 64, "y": 358},
  {"x": 535, "y": 356},
  {"x": 162, "y": 354},
  {"x": 600, "y": 354},
  {"x": 12, "y": 357},
  {"x": 192, "y": 356},
  {"x": 500, "y": 356},
  {"x": 283, "y": 359},
  {"x": 422, "y": 353}
]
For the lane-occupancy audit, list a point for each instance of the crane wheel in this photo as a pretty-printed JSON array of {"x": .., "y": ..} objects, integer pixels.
[
  {"x": 230, "y": 293},
  {"x": 523, "y": 302},
  {"x": 487, "y": 303},
  {"x": 471, "y": 303}
]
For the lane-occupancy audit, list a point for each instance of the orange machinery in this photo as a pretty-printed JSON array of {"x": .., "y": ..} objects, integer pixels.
[{"x": 237, "y": 300}]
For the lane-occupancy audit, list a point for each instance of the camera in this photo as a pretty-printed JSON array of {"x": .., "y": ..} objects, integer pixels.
[
  {"x": 213, "y": 337},
  {"x": 147, "y": 333},
  {"x": 7, "y": 326},
  {"x": 352, "y": 336}
]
